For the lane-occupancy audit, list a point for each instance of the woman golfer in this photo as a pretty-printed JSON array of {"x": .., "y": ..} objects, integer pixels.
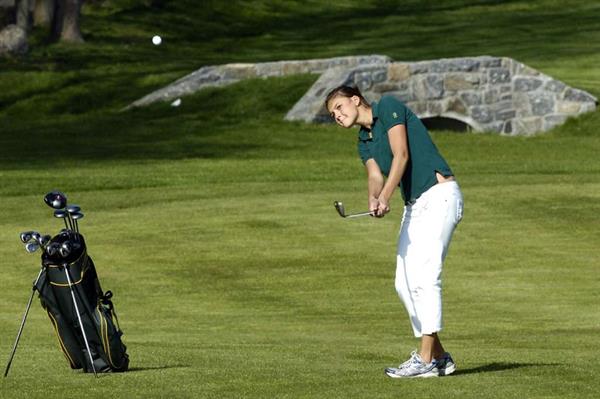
[{"x": 392, "y": 142}]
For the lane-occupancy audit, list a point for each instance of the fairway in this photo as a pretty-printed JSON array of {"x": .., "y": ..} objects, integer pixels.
[{"x": 213, "y": 222}]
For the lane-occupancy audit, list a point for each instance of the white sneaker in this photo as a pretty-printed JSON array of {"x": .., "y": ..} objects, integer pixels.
[
  {"x": 414, "y": 367},
  {"x": 446, "y": 365}
]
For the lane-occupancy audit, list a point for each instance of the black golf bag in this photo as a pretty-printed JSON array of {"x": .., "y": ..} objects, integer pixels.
[{"x": 68, "y": 286}]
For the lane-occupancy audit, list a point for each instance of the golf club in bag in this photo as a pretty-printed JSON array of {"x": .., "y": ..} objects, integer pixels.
[{"x": 82, "y": 315}]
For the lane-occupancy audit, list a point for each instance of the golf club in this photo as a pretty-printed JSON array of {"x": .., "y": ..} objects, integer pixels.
[
  {"x": 53, "y": 248},
  {"x": 65, "y": 249},
  {"x": 56, "y": 200},
  {"x": 26, "y": 236},
  {"x": 76, "y": 216},
  {"x": 61, "y": 214},
  {"x": 87, "y": 346},
  {"x": 339, "y": 207},
  {"x": 31, "y": 247},
  {"x": 35, "y": 236},
  {"x": 71, "y": 210},
  {"x": 44, "y": 240}
]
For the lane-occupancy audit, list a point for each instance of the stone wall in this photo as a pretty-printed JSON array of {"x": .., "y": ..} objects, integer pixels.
[
  {"x": 487, "y": 93},
  {"x": 221, "y": 75}
]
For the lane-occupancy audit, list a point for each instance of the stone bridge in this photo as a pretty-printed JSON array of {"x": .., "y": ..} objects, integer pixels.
[{"x": 495, "y": 94}]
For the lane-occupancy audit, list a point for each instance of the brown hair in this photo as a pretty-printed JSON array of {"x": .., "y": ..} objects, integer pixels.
[{"x": 345, "y": 91}]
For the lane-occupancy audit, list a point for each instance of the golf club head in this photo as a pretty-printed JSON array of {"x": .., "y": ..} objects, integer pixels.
[
  {"x": 339, "y": 207},
  {"x": 77, "y": 215},
  {"x": 44, "y": 240},
  {"x": 65, "y": 249},
  {"x": 73, "y": 209},
  {"x": 36, "y": 236},
  {"x": 64, "y": 215},
  {"x": 26, "y": 236},
  {"x": 31, "y": 247},
  {"x": 56, "y": 200},
  {"x": 53, "y": 249}
]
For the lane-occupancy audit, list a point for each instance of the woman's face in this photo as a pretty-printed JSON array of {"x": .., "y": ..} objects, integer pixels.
[{"x": 344, "y": 110}]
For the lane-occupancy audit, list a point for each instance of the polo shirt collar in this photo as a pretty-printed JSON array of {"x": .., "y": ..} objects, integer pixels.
[{"x": 365, "y": 134}]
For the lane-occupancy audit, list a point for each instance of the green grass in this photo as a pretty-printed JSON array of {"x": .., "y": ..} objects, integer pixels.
[{"x": 213, "y": 222}]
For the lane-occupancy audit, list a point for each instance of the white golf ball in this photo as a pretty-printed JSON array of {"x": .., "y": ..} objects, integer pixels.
[{"x": 156, "y": 40}]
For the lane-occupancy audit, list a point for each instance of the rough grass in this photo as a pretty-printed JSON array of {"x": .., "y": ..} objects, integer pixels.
[{"x": 213, "y": 222}]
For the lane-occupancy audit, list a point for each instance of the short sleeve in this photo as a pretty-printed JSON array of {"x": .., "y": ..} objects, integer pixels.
[
  {"x": 363, "y": 151},
  {"x": 392, "y": 112}
]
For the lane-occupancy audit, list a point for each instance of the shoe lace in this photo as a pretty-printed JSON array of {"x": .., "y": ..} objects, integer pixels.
[{"x": 414, "y": 358}]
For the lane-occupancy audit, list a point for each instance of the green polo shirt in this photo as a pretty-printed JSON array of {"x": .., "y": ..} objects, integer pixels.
[{"x": 424, "y": 157}]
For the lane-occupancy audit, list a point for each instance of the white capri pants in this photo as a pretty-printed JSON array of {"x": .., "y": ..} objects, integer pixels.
[{"x": 427, "y": 227}]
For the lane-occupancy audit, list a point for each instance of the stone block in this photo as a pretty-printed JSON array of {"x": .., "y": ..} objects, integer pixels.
[
  {"x": 587, "y": 107},
  {"x": 239, "y": 71},
  {"x": 579, "y": 95},
  {"x": 504, "y": 110},
  {"x": 555, "y": 86},
  {"x": 268, "y": 69},
  {"x": 455, "y": 65},
  {"x": 471, "y": 98},
  {"x": 419, "y": 67},
  {"x": 435, "y": 107},
  {"x": 490, "y": 62},
  {"x": 568, "y": 107},
  {"x": 363, "y": 81},
  {"x": 398, "y": 72},
  {"x": 385, "y": 87},
  {"x": 454, "y": 104},
  {"x": 293, "y": 68},
  {"x": 491, "y": 96},
  {"x": 461, "y": 81},
  {"x": 379, "y": 75},
  {"x": 522, "y": 104},
  {"x": 499, "y": 75},
  {"x": 527, "y": 126},
  {"x": 522, "y": 83},
  {"x": 481, "y": 114},
  {"x": 427, "y": 87},
  {"x": 541, "y": 104},
  {"x": 371, "y": 59}
]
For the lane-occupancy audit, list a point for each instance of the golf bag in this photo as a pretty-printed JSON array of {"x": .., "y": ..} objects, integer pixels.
[{"x": 69, "y": 286}]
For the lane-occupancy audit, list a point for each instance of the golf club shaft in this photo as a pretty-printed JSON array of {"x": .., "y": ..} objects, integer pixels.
[
  {"x": 87, "y": 345},
  {"x": 355, "y": 215},
  {"x": 14, "y": 349}
]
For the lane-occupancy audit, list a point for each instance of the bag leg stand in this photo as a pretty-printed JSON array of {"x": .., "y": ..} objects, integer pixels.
[
  {"x": 87, "y": 345},
  {"x": 14, "y": 349}
]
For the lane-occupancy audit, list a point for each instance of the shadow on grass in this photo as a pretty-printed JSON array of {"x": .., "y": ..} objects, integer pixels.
[{"x": 493, "y": 367}]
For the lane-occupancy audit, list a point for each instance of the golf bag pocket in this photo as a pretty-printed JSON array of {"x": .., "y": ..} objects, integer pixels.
[{"x": 110, "y": 334}]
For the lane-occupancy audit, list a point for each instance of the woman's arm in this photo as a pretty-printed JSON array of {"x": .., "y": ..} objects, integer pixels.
[
  {"x": 399, "y": 146},
  {"x": 375, "y": 182}
]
